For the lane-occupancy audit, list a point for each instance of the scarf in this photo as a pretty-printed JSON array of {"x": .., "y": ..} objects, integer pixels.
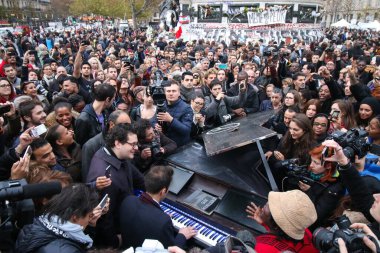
[
  {"x": 187, "y": 93},
  {"x": 67, "y": 229}
]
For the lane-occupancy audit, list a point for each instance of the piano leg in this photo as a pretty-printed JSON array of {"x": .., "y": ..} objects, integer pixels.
[{"x": 272, "y": 182}]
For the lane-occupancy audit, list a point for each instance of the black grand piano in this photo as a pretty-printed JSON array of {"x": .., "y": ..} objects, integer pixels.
[{"x": 219, "y": 177}]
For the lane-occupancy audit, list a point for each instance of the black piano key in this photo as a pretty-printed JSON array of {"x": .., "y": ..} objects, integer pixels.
[
  {"x": 210, "y": 234},
  {"x": 202, "y": 231},
  {"x": 207, "y": 230},
  {"x": 212, "y": 237},
  {"x": 215, "y": 237}
]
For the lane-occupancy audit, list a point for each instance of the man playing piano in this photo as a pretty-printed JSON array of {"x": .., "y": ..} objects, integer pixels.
[{"x": 142, "y": 218}]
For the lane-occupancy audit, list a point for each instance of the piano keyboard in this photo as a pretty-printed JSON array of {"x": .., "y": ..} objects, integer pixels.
[{"x": 207, "y": 234}]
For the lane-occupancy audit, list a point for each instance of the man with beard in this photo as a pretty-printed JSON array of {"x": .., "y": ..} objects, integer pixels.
[
  {"x": 187, "y": 89},
  {"x": 32, "y": 113}
]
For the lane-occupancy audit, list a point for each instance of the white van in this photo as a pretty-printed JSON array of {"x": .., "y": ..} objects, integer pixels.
[{"x": 123, "y": 25}]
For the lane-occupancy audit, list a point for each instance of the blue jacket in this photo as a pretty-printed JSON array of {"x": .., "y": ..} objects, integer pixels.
[{"x": 179, "y": 129}]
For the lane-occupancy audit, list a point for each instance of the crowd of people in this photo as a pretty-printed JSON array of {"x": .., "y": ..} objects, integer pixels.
[{"x": 99, "y": 109}]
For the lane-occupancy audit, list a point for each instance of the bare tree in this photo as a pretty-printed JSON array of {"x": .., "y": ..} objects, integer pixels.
[{"x": 348, "y": 6}]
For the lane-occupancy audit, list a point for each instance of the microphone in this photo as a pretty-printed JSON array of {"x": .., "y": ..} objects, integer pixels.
[{"x": 28, "y": 191}]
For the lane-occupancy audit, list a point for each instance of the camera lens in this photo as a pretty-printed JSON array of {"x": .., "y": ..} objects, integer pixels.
[{"x": 322, "y": 239}]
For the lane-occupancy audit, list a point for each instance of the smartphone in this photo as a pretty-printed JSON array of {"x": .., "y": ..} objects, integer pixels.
[
  {"x": 103, "y": 202},
  {"x": 4, "y": 109},
  {"x": 38, "y": 131},
  {"x": 85, "y": 43},
  {"x": 334, "y": 114},
  {"x": 325, "y": 152},
  {"x": 28, "y": 151},
  {"x": 317, "y": 77},
  {"x": 108, "y": 171}
]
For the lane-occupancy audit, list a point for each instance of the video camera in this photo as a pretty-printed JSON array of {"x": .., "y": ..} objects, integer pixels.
[
  {"x": 327, "y": 240},
  {"x": 17, "y": 207},
  {"x": 296, "y": 172},
  {"x": 157, "y": 91},
  {"x": 353, "y": 142}
]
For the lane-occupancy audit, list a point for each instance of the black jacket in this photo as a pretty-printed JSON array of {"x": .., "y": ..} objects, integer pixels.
[
  {"x": 88, "y": 125},
  {"x": 359, "y": 191},
  {"x": 141, "y": 218},
  {"x": 37, "y": 238},
  {"x": 125, "y": 179},
  {"x": 325, "y": 197}
]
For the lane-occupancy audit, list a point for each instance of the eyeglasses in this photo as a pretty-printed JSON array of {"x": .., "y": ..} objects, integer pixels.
[
  {"x": 320, "y": 124},
  {"x": 133, "y": 145},
  {"x": 377, "y": 78},
  {"x": 5, "y": 85}
]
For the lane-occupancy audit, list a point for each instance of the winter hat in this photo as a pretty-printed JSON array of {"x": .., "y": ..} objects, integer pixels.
[{"x": 293, "y": 212}]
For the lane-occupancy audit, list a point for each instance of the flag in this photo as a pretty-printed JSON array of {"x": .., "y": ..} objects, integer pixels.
[{"x": 178, "y": 33}]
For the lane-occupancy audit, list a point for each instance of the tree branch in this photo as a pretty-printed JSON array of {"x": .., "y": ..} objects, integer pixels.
[{"x": 143, "y": 7}]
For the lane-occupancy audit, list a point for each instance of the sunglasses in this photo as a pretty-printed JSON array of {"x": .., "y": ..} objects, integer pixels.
[{"x": 377, "y": 78}]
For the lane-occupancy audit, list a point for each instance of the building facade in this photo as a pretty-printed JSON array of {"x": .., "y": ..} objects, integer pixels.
[{"x": 25, "y": 10}]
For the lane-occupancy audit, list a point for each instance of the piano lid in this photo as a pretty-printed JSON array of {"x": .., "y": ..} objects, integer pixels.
[
  {"x": 228, "y": 168},
  {"x": 249, "y": 131}
]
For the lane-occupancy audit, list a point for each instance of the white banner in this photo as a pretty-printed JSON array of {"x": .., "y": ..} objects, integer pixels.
[{"x": 267, "y": 17}]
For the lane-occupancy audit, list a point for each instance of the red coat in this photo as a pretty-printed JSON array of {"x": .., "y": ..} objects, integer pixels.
[{"x": 269, "y": 243}]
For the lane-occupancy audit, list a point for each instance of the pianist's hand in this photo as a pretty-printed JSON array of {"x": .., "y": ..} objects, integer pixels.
[
  {"x": 255, "y": 212},
  {"x": 188, "y": 232}
]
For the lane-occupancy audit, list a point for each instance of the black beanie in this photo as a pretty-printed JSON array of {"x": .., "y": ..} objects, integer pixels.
[{"x": 373, "y": 103}]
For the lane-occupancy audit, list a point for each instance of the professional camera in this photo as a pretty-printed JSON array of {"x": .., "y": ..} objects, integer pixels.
[
  {"x": 329, "y": 49},
  {"x": 157, "y": 91},
  {"x": 327, "y": 240},
  {"x": 267, "y": 53},
  {"x": 296, "y": 172},
  {"x": 127, "y": 63},
  {"x": 155, "y": 147},
  {"x": 353, "y": 142}
]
